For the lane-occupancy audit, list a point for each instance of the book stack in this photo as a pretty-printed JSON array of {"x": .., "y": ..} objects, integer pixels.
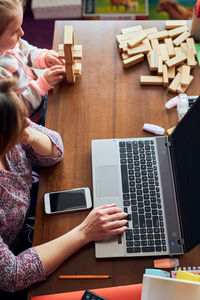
[{"x": 57, "y": 9}]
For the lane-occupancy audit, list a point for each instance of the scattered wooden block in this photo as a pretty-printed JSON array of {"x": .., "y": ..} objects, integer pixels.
[
  {"x": 137, "y": 40},
  {"x": 160, "y": 35},
  {"x": 151, "y": 80},
  {"x": 176, "y": 60},
  {"x": 152, "y": 57},
  {"x": 160, "y": 65},
  {"x": 133, "y": 60},
  {"x": 155, "y": 45},
  {"x": 191, "y": 45},
  {"x": 137, "y": 50},
  {"x": 124, "y": 55},
  {"x": 147, "y": 43},
  {"x": 171, "y": 73},
  {"x": 175, "y": 83},
  {"x": 150, "y": 30},
  {"x": 165, "y": 76},
  {"x": 170, "y": 24},
  {"x": 178, "y": 50},
  {"x": 184, "y": 48},
  {"x": 131, "y": 29},
  {"x": 170, "y": 47},
  {"x": 185, "y": 75},
  {"x": 191, "y": 58},
  {"x": 181, "y": 38},
  {"x": 177, "y": 31},
  {"x": 180, "y": 89},
  {"x": 163, "y": 52}
]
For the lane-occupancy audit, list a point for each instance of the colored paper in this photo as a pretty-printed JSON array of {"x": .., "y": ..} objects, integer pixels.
[
  {"x": 128, "y": 292},
  {"x": 187, "y": 276}
]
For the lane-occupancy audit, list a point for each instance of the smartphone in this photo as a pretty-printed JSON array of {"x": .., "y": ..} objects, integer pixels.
[{"x": 67, "y": 201}]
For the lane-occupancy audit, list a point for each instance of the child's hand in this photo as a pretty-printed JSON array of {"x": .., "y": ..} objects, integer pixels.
[
  {"x": 54, "y": 74},
  {"x": 51, "y": 59}
]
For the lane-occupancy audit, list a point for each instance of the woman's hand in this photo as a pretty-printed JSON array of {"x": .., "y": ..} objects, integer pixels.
[
  {"x": 103, "y": 222},
  {"x": 54, "y": 74},
  {"x": 51, "y": 59}
]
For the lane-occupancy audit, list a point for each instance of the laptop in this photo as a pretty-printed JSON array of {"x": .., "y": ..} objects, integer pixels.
[{"x": 156, "y": 180}]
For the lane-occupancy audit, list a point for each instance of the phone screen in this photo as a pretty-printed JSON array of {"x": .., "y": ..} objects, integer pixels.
[{"x": 68, "y": 200}]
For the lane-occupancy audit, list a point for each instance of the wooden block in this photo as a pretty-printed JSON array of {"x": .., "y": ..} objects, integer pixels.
[
  {"x": 68, "y": 54},
  {"x": 150, "y": 30},
  {"x": 165, "y": 76},
  {"x": 131, "y": 29},
  {"x": 181, "y": 89},
  {"x": 147, "y": 43},
  {"x": 61, "y": 53},
  {"x": 181, "y": 38},
  {"x": 77, "y": 51},
  {"x": 155, "y": 45},
  {"x": 175, "y": 83},
  {"x": 122, "y": 47},
  {"x": 191, "y": 45},
  {"x": 185, "y": 75},
  {"x": 171, "y": 72},
  {"x": 137, "y": 40},
  {"x": 170, "y": 24},
  {"x": 179, "y": 69},
  {"x": 133, "y": 60},
  {"x": 184, "y": 48},
  {"x": 177, "y": 31},
  {"x": 151, "y": 80},
  {"x": 160, "y": 35},
  {"x": 160, "y": 65},
  {"x": 170, "y": 47},
  {"x": 77, "y": 68},
  {"x": 124, "y": 55},
  {"x": 191, "y": 58},
  {"x": 68, "y": 35},
  {"x": 176, "y": 60},
  {"x": 70, "y": 77},
  {"x": 153, "y": 60},
  {"x": 163, "y": 52},
  {"x": 125, "y": 37},
  {"x": 137, "y": 50},
  {"x": 178, "y": 50}
]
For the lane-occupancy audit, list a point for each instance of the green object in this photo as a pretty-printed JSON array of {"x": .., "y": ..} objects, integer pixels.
[{"x": 197, "y": 46}]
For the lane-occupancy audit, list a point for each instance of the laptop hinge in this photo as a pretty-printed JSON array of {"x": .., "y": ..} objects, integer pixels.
[
  {"x": 168, "y": 143},
  {"x": 181, "y": 241}
]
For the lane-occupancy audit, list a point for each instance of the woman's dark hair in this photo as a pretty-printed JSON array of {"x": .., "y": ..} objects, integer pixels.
[{"x": 12, "y": 118}]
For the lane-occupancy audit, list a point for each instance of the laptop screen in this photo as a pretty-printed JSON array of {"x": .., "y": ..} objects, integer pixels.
[{"x": 185, "y": 141}]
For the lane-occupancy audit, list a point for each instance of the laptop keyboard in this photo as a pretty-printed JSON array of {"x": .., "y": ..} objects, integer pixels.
[{"x": 141, "y": 197}]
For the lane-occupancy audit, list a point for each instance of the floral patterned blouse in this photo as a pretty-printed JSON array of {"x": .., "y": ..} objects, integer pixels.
[{"x": 19, "y": 272}]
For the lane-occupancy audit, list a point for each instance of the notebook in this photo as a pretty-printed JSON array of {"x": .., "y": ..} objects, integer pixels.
[
  {"x": 156, "y": 288},
  {"x": 162, "y": 219}
]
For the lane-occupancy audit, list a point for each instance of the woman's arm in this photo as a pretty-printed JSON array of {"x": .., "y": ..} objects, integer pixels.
[{"x": 101, "y": 223}]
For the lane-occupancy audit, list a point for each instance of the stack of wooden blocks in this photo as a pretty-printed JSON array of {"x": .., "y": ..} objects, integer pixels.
[
  {"x": 70, "y": 52},
  {"x": 171, "y": 54}
]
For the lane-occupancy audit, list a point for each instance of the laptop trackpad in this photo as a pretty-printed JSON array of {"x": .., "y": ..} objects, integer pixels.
[{"x": 107, "y": 181}]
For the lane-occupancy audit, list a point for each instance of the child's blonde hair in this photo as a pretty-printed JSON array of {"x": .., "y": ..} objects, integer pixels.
[{"x": 8, "y": 10}]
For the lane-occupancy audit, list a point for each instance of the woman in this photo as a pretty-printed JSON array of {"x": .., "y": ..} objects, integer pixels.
[{"x": 22, "y": 142}]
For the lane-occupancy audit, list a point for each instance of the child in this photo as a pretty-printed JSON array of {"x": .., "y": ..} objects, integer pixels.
[
  {"x": 22, "y": 141},
  {"x": 17, "y": 57}
]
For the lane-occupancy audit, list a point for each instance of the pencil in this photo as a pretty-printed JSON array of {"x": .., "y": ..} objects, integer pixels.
[{"x": 84, "y": 276}]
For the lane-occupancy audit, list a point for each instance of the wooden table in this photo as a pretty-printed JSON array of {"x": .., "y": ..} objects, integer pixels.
[{"x": 105, "y": 102}]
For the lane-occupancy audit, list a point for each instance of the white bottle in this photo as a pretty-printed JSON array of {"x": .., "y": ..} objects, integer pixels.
[{"x": 153, "y": 129}]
